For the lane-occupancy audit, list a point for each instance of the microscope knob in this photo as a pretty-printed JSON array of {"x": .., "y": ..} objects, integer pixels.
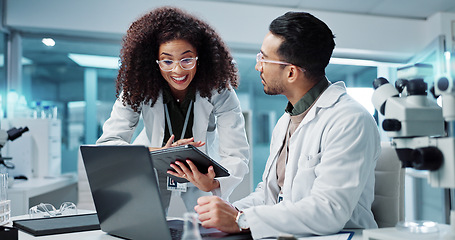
[
  {"x": 443, "y": 84},
  {"x": 391, "y": 125},
  {"x": 427, "y": 158}
]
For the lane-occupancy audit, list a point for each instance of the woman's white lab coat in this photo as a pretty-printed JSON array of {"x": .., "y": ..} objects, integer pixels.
[
  {"x": 217, "y": 122},
  {"x": 329, "y": 177}
]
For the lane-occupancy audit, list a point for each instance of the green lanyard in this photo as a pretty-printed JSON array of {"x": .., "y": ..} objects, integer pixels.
[{"x": 168, "y": 120}]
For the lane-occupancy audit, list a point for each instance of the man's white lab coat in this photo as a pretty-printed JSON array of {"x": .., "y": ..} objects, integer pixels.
[{"x": 329, "y": 177}]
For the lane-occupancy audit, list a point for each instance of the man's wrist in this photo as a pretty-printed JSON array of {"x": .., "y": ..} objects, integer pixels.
[{"x": 240, "y": 219}]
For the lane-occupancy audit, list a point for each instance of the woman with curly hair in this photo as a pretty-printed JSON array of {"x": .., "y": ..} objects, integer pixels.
[{"x": 178, "y": 75}]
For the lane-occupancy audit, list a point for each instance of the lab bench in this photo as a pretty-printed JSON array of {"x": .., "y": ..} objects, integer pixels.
[{"x": 56, "y": 190}]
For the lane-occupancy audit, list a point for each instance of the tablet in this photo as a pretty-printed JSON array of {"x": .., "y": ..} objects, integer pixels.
[{"x": 164, "y": 157}]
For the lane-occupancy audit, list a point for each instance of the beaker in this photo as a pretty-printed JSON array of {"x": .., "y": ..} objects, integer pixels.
[{"x": 191, "y": 227}]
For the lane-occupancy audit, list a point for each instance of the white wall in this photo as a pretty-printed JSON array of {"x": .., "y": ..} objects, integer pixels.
[
  {"x": 363, "y": 36},
  {"x": 443, "y": 23}
]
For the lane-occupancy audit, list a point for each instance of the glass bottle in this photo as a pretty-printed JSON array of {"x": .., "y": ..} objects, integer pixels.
[
  {"x": 48, "y": 112},
  {"x": 37, "y": 110},
  {"x": 54, "y": 112},
  {"x": 191, "y": 227},
  {"x": 45, "y": 113}
]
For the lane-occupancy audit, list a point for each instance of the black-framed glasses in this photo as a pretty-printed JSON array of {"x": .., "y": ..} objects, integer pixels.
[
  {"x": 260, "y": 59},
  {"x": 185, "y": 64}
]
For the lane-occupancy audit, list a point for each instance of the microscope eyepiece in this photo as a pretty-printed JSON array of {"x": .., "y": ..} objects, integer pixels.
[
  {"x": 14, "y": 133},
  {"x": 379, "y": 82},
  {"x": 417, "y": 87},
  {"x": 400, "y": 84}
]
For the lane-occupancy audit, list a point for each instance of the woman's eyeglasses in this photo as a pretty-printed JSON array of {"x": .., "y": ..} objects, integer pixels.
[{"x": 185, "y": 64}]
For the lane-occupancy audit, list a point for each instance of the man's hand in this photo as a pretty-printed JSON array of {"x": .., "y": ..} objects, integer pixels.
[
  {"x": 214, "y": 212},
  {"x": 205, "y": 182}
]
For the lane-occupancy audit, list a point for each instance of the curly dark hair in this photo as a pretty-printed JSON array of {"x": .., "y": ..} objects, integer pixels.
[{"x": 139, "y": 76}]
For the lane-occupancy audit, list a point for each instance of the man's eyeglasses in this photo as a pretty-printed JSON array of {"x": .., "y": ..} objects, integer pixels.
[
  {"x": 185, "y": 64},
  {"x": 260, "y": 59},
  {"x": 48, "y": 210}
]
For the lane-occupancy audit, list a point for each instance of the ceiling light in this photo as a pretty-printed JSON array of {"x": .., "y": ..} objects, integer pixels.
[
  {"x": 24, "y": 61},
  {"x": 95, "y": 61},
  {"x": 48, "y": 42},
  {"x": 362, "y": 62}
]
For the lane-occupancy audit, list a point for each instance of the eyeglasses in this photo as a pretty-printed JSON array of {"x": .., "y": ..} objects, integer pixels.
[
  {"x": 260, "y": 59},
  {"x": 185, "y": 64},
  {"x": 48, "y": 210}
]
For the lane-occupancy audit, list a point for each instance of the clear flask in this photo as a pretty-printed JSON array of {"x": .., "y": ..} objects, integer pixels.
[{"x": 191, "y": 227}]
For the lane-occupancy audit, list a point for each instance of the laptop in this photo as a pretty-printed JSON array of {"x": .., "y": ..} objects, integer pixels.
[{"x": 125, "y": 191}]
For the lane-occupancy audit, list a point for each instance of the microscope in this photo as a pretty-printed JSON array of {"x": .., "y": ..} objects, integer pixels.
[
  {"x": 11, "y": 135},
  {"x": 422, "y": 132}
]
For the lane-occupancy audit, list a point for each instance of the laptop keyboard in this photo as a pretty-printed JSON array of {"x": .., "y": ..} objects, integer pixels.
[{"x": 176, "y": 234}]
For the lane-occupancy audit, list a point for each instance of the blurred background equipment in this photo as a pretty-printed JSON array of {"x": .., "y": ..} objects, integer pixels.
[
  {"x": 39, "y": 153},
  {"x": 421, "y": 131},
  {"x": 11, "y": 135}
]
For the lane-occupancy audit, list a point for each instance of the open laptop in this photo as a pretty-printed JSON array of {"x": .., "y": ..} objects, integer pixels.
[{"x": 126, "y": 194}]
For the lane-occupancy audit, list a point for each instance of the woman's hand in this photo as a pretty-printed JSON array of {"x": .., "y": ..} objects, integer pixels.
[
  {"x": 185, "y": 141},
  {"x": 205, "y": 182}
]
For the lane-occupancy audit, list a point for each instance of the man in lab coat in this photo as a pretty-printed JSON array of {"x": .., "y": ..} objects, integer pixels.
[{"x": 319, "y": 177}]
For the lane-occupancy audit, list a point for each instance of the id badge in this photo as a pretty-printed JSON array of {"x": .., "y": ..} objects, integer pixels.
[{"x": 172, "y": 185}]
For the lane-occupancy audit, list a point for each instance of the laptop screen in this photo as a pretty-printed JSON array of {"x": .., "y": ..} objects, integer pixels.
[
  {"x": 125, "y": 191},
  {"x": 126, "y": 195}
]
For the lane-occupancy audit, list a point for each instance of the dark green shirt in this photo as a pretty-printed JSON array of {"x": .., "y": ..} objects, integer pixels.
[
  {"x": 308, "y": 99},
  {"x": 177, "y": 114}
]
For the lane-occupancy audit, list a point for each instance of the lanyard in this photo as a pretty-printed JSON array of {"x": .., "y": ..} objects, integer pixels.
[{"x": 168, "y": 119}]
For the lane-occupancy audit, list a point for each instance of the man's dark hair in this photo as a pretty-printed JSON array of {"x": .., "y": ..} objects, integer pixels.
[{"x": 307, "y": 42}]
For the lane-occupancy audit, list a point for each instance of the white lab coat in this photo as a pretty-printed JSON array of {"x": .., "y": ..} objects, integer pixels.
[
  {"x": 329, "y": 177},
  {"x": 217, "y": 122}
]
